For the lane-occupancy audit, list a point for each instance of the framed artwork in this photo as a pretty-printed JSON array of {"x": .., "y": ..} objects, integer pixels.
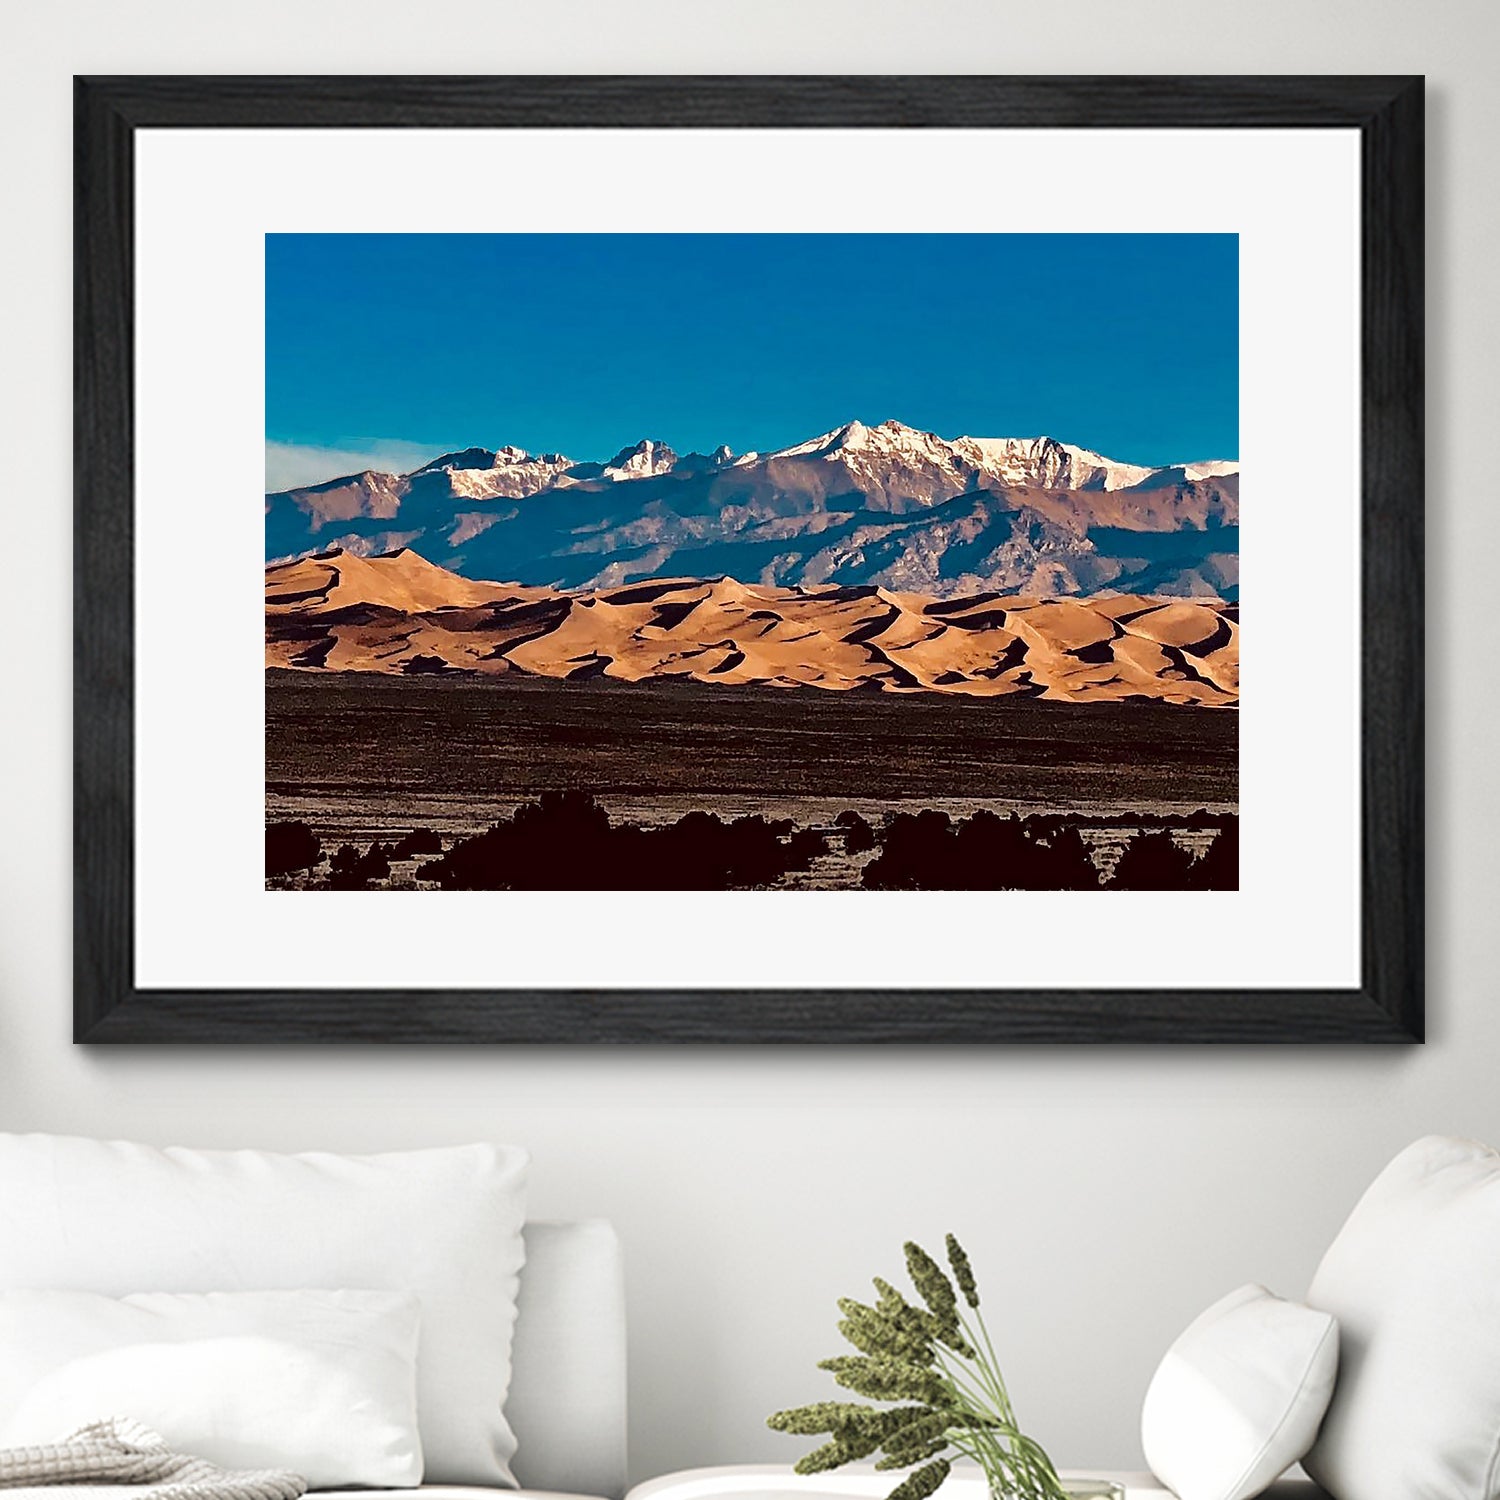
[{"x": 749, "y": 559}]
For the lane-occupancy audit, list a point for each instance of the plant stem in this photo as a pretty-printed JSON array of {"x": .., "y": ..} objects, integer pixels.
[{"x": 992, "y": 1437}]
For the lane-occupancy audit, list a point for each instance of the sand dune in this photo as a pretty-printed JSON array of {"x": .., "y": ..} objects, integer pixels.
[
  {"x": 401, "y": 614},
  {"x": 401, "y": 580}
]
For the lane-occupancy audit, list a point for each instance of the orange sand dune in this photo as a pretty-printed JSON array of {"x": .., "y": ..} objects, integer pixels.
[
  {"x": 400, "y": 580},
  {"x": 400, "y": 613}
]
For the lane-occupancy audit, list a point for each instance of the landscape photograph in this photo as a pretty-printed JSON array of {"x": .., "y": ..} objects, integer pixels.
[{"x": 671, "y": 562}]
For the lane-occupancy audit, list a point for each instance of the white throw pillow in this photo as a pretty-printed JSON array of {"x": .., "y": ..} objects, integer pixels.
[
  {"x": 1237, "y": 1399},
  {"x": 1414, "y": 1280},
  {"x": 321, "y": 1383},
  {"x": 444, "y": 1224}
]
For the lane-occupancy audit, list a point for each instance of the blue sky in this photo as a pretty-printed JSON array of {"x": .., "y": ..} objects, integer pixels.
[{"x": 396, "y": 347}]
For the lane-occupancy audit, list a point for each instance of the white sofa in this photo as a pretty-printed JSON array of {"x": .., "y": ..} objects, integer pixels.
[
  {"x": 1410, "y": 1280},
  {"x": 493, "y": 1347},
  {"x": 567, "y": 1395}
]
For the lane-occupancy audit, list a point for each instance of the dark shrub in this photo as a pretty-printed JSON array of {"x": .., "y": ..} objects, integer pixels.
[
  {"x": 803, "y": 847},
  {"x": 916, "y": 853},
  {"x": 1024, "y": 859},
  {"x": 353, "y": 871},
  {"x": 859, "y": 837},
  {"x": 566, "y": 842},
  {"x": 291, "y": 847},
  {"x": 1153, "y": 862},
  {"x": 418, "y": 842},
  {"x": 376, "y": 864},
  {"x": 985, "y": 852},
  {"x": 1219, "y": 867}
]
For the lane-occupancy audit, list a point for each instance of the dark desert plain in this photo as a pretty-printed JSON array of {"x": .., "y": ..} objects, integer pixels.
[{"x": 365, "y": 757}]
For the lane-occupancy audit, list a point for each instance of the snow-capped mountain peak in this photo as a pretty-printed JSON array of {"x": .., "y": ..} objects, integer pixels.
[
  {"x": 889, "y": 448},
  {"x": 647, "y": 457},
  {"x": 1117, "y": 476},
  {"x": 890, "y": 439},
  {"x": 1211, "y": 468},
  {"x": 824, "y": 442},
  {"x": 465, "y": 458},
  {"x": 1043, "y": 462},
  {"x": 509, "y": 472},
  {"x": 1050, "y": 464}
]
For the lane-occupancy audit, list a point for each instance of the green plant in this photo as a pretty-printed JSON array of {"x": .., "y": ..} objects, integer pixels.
[{"x": 937, "y": 1365}]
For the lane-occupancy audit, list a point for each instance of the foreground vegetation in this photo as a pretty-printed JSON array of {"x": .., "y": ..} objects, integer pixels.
[{"x": 565, "y": 841}]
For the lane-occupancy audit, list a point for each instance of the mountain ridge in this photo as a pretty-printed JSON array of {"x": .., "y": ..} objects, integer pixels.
[{"x": 885, "y": 504}]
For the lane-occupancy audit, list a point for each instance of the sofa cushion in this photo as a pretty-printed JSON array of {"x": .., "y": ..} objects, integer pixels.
[
  {"x": 321, "y": 1383},
  {"x": 1414, "y": 1281},
  {"x": 1236, "y": 1401},
  {"x": 567, "y": 1393},
  {"x": 444, "y": 1224}
]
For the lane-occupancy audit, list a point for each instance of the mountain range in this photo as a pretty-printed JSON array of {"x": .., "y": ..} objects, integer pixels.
[
  {"x": 885, "y": 506},
  {"x": 398, "y": 613}
]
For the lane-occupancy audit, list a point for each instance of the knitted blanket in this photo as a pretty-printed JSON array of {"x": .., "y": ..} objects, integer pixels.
[{"x": 120, "y": 1451}]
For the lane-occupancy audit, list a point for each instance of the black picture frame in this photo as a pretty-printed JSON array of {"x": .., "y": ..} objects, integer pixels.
[{"x": 1388, "y": 1005}]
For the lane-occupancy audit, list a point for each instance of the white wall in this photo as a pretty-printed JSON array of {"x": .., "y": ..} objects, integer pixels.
[{"x": 1106, "y": 1195}]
